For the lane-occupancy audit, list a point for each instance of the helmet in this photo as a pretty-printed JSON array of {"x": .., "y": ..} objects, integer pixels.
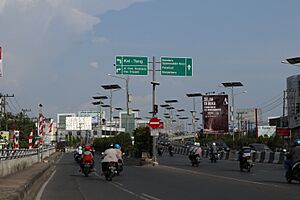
[
  {"x": 214, "y": 144},
  {"x": 111, "y": 146},
  {"x": 117, "y": 146},
  {"x": 79, "y": 147},
  {"x": 87, "y": 147},
  {"x": 297, "y": 142}
]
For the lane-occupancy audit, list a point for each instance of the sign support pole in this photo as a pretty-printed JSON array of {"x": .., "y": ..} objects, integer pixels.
[{"x": 153, "y": 112}]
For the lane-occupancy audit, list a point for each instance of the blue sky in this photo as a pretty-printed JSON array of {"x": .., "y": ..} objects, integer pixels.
[{"x": 59, "y": 52}]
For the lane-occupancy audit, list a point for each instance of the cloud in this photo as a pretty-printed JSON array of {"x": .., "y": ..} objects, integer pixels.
[
  {"x": 40, "y": 38},
  {"x": 94, "y": 65}
]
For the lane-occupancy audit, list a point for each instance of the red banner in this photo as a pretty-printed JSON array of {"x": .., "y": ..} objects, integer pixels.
[{"x": 283, "y": 131}]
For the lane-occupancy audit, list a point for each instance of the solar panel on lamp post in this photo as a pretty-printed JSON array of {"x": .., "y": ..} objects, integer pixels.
[
  {"x": 111, "y": 88},
  {"x": 231, "y": 86},
  {"x": 193, "y": 95}
]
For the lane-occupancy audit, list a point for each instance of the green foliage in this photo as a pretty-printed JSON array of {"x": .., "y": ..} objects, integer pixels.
[
  {"x": 124, "y": 139},
  {"x": 18, "y": 122},
  {"x": 142, "y": 141}
]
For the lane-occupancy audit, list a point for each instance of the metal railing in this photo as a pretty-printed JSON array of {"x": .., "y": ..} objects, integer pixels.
[{"x": 9, "y": 154}]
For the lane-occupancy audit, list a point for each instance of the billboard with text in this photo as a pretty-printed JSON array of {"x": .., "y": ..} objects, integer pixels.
[{"x": 215, "y": 114}]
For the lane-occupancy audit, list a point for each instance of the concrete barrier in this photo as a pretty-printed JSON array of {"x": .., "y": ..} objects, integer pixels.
[
  {"x": 14, "y": 165},
  {"x": 233, "y": 155},
  {"x": 267, "y": 157},
  {"x": 276, "y": 159}
]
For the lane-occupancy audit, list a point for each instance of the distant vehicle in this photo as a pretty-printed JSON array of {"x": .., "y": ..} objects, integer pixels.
[
  {"x": 221, "y": 145},
  {"x": 61, "y": 146},
  {"x": 164, "y": 142},
  {"x": 189, "y": 144},
  {"x": 258, "y": 147}
]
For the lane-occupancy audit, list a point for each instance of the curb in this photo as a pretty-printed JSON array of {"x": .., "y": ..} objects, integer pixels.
[{"x": 25, "y": 185}]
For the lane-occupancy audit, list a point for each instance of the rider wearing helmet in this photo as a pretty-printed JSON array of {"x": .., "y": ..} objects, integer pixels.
[
  {"x": 87, "y": 157},
  {"x": 118, "y": 151},
  {"x": 110, "y": 155}
]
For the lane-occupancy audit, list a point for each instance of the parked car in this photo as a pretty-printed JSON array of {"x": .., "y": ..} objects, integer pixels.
[{"x": 258, "y": 147}]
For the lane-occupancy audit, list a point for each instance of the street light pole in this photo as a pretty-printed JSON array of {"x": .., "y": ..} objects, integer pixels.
[
  {"x": 193, "y": 95},
  {"x": 231, "y": 85},
  {"x": 127, "y": 96},
  {"x": 110, "y": 88}
]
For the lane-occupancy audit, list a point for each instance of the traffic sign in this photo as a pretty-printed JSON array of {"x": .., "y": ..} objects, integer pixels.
[
  {"x": 132, "y": 65},
  {"x": 154, "y": 123},
  {"x": 176, "y": 66}
]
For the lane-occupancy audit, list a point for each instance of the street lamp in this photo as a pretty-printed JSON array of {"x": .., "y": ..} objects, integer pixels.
[
  {"x": 102, "y": 97},
  {"x": 292, "y": 61},
  {"x": 231, "y": 85},
  {"x": 111, "y": 88},
  {"x": 193, "y": 95}
]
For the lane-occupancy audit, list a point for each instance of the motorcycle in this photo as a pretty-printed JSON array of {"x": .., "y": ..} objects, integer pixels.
[
  {"x": 77, "y": 157},
  {"x": 214, "y": 157},
  {"x": 246, "y": 163},
  {"x": 86, "y": 169},
  {"x": 195, "y": 160},
  {"x": 120, "y": 167},
  {"x": 293, "y": 173},
  {"x": 111, "y": 171},
  {"x": 171, "y": 153}
]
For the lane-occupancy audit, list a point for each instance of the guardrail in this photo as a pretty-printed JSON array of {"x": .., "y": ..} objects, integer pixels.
[
  {"x": 9, "y": 154},
  {"x": 262, "y": 157},
  {"x": 13, "y": 160}
]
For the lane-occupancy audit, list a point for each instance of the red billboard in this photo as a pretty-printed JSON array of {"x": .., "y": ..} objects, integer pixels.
[
  {"x": 282, "y": 131},
  {"x": 215, "y": 113}
]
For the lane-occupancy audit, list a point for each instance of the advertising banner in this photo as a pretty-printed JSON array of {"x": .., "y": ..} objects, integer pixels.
[
  {"x": 215, "y": 114},
  {"x": 266, "y": 131},
  {"x": 78, "y": 123}
]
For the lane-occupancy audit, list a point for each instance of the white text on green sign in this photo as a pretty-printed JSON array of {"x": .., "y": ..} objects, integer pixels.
[
  {"x": 131, "y": 65},
  {"x": 176, "y": 66}
]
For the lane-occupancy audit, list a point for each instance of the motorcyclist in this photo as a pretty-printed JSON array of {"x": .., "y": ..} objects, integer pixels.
[
  {"x": 78, "y": 153},
  {"x": 195, "y": 153},
  {"x": 119, "y": 155},
  {"x": 87, "y": 157},
  {"x": 170, "y": 149},
  {"x": 110, "y": 155},
  {"x": 293, "y": 156},
  {"x": 244, "y": 152},
  {"x": 213, "y": 151}
]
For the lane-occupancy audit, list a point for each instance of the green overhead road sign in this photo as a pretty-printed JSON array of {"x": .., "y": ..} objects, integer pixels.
[
  {"x": 131, "y": 65},
  {"x": 176, "y": 66}
]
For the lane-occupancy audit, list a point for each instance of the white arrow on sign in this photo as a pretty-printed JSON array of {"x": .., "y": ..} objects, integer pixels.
[
  {"x": 189, "y": 67},
  {"x": 119, "y": 61}
]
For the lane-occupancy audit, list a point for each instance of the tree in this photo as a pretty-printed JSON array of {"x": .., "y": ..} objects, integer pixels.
[{"x": 142, "y": 141}]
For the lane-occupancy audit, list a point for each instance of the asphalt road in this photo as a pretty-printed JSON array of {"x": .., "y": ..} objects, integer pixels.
[{"x": 174, "y": 178}]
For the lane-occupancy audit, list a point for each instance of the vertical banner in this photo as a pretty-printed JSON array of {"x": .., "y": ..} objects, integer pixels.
[
  {"x": 30, "y": 138},
  {"x": 16, "y": 139},
  {"x": 215, "y": 114},
  {"x": 1, "y": 65}
]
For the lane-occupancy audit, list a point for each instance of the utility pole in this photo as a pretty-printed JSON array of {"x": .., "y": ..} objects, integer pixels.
[
  {"x": 283, "y": 109},
  {"x": 3, "y": 107}
]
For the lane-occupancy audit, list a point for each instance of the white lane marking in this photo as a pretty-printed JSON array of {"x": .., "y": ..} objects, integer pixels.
[
  {"x": 120, "y": 186},
  {"x": 128, "y": 191},
  {"x": 223, "y": 177},
  {"x": 39, "y": 195},
  {"x": 150, "y": 197}
]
